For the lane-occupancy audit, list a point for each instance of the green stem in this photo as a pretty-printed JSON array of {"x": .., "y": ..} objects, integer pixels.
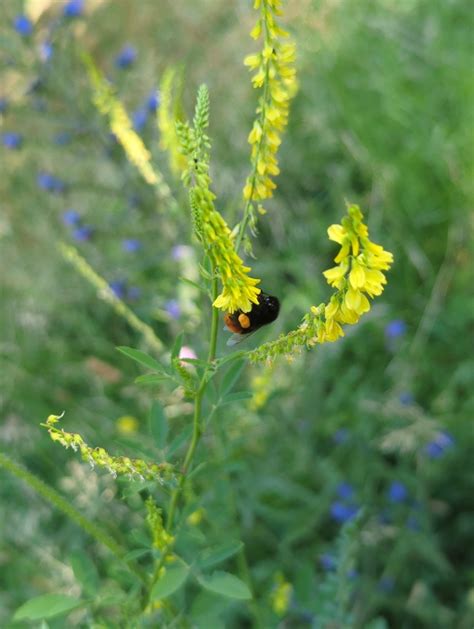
[
  {"x": 56, "y": 500},
  {"x": 197, "y": 430}
]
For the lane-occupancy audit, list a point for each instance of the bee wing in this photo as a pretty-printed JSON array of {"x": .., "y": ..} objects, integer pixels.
[{"x": 235, "y": 339}]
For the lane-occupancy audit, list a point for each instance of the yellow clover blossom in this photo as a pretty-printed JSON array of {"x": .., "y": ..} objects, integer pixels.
[
  {"x": 127, "y": 425},
  {"x": 168, "y": 113},
  {"x": 161, "y": 539},
  {"x": 239, "y": 291},
  {"x": 116, "y": 465},
  {"x": 357, "y": 277},
  {"x": 281, "y": 595},
  {"x": 121, "y": 126},
  {"x": 275, "y": 74}
]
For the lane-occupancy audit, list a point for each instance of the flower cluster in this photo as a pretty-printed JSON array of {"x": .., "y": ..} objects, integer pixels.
[
  {"x": 169, "y": 113},
  {"x": 239, "y": 291},
  {"x": 161, "y": 539},
  {"x": 281, "y": 595},
  {"x": 116, "y": 465},
  {"x": 274, "y": 74},
  {"x": 357, "y": 277},
  {"x": 122, "y": 127}
]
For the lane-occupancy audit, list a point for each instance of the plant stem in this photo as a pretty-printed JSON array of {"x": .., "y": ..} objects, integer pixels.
[
  {"x": 197, "y": 430},
  {"x": 58, "y": 501}
]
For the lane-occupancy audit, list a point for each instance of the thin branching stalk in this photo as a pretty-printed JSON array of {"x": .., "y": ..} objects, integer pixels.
[{"x": 197, "y": 432}]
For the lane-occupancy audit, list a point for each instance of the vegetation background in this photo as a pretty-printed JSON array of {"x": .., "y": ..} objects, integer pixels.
[{"x": 379, "y": 423}]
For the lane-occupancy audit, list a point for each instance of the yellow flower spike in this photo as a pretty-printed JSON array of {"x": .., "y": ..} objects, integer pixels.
[
  {"x": 273, "y": 73},
  {"x": 353, "y": 279},
  {"x": 116, "y": 465},
  {"x": 239, "y": 291}
]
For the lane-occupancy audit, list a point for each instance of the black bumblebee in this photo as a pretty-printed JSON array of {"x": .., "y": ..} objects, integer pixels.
[{"x": 241, "y": 323}]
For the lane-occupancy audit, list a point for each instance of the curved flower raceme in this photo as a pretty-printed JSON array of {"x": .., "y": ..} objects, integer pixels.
[
  {"x": 122, "y": 127},
  {"x": 116, "y": 465},
  {"x": 275, "y": 75},
  {"x": 358, "y": 277},
  {"x": 239, "y": 291}
]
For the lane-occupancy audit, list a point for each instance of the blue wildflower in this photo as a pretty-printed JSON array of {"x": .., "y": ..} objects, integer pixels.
[
  {"x": 153, "y": 101},
  {"x": 62, "y": 138},
  {"x": 49, "y": 182},
  {"x": 132, "y": 245},
  {"x": 71, "y": 217},
  {"x": 395, "y": 328},
  {"x": 345, "y": 490},
  {"x": 139, "y": 118},
  {"x": 134, "y": 293},
  {"x": 74, "y": 8},
  {"x": 178, "y": 252},
  {"x": 406, "y": 398},
  {"x": 327, "y": 562},
  {"x": 173, "y": 309},
  {"x": 3, "y": 105},
  {"x": 23, "y": 25},
  {"x": 46, "y": 51},
  {"x": 413, "y": 523},
  {"x": 386, "y": 584},
  {"x": 436, "y": 448},
  {"x": 397, "y": 492},
  {"x": 340, "y": 436},
  {"x": 341, "y": 512},
  {"x": 82, "y": 233},
  {"x": 12, "y": 140},
  {"x": 118, "y": 287},
  {"x": 126, "y": 56}
]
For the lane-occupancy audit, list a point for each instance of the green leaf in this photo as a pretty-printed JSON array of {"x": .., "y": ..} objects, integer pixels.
[
  {"x": 158, "y": 425},
  {"x": 226, "y": 584},
  {"x": 193, "y": 284},
  {"x": 216, "y": 554},
  {"x": 231, "y": 357},
  {"x": 47, "y": 606},
  {"x": 85, "y": 572},
  {"x": 178, "y": 343},
  {"x": 179, "y": 440},
  {"x": 239, "y": 396},
  {"x": 231, "y": 377},
  {"x": 151, "y": 378},
  {"x": 135, "y": 554},
  {"x": 142, "y": 358},
  {"x": 174, "y": 578}
]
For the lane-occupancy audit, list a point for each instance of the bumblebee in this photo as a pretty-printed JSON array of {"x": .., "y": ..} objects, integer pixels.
[{"x": 242, "y": 323}]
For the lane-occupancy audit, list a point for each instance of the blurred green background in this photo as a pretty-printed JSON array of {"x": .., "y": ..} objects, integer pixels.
[{"x": 381, "y": 421}]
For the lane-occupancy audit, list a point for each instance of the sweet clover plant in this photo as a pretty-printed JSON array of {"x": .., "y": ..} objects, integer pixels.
[{"x": 178, "y": 561}]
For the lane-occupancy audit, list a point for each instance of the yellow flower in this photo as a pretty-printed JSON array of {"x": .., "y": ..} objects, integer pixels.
[
  {"x": 168, "y": 113},
  {"x": 116, "y": 465},
  {"x": 195, "y": 518},
  {"x": 239, "y": 290},
  {"x": 357, "y": 276},
  {"x": 274, "y": 73},
  {"x": 281, "y": 595},
  {"x": 127, "y": 425},
  {"x": 121, "y": 126}
]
